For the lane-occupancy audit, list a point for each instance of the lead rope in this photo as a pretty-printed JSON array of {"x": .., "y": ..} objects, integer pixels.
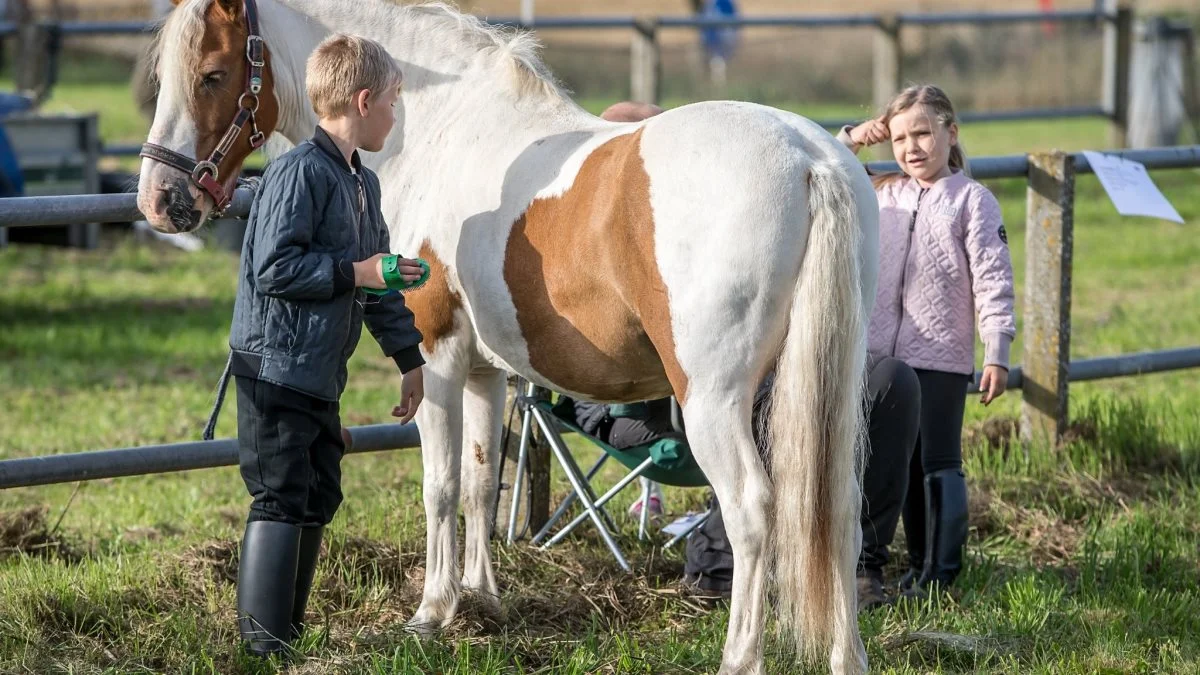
[{"x": 222, "y": 385}]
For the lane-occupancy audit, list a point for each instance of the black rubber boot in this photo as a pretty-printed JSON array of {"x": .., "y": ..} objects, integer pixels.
[
  {"x": 310, "y": 547},
  {"x": 267, "y": 585},
  {"x": 914, "y": 516},
  {"x": 946, "y": 529}
]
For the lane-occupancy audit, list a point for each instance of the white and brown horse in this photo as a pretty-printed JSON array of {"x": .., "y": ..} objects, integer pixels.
[{"x": 688, "y": 254}]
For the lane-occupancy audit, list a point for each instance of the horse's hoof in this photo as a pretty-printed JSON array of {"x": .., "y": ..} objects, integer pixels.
[
  {"x": 755, "y": 668},
  {"x": 423, "y": 628}
]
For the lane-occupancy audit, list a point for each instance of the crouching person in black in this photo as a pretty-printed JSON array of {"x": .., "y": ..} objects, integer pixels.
[
  {"x": 315, "y": 239},
  {"x": 894, "y": 396}
]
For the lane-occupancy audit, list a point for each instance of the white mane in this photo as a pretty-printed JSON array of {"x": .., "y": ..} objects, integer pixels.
[{"x": 469, "y": 34}]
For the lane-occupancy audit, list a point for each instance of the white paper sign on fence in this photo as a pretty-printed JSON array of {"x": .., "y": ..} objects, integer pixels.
[{"x": 1129, "y": 187}]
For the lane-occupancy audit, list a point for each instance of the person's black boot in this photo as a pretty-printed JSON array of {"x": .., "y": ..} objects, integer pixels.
[
  {"x": 267, "y": 585},
  {"x": 946, "y": 530},
  {"x": 914, "y": 515},
  {"x": 870, "y": 589},
  {"x": 310, "y": 547}
]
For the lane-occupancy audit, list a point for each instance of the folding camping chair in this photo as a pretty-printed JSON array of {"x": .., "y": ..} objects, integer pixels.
[{"x": 668, "y": 461}]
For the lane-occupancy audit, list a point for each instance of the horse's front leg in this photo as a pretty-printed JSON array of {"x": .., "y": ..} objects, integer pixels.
[{"x": 440, "y": 422}]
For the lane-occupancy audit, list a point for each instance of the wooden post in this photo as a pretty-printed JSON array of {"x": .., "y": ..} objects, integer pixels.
[
  {"x": 1049, "y": 227},
  {"x": 1118, "y": 48},
  {"x": 645, "y": 64},
  {"x": 32, "y": 59},
  {"x": 888, "y": 53},
  {"x": 539, "y": 484},
  {"x": 1191, "y": 96}
]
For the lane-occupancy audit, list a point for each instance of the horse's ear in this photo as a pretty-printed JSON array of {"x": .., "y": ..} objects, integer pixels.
[{"x": 230, "y": 9}]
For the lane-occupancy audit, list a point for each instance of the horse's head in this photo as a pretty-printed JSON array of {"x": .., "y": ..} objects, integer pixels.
[{"x": 216, "y": 105}]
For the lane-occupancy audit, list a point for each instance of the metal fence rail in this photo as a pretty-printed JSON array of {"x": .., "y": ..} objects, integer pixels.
[
  {"x": 119, "y": 208},
  {"x": 151, "y": 459},
  {"x": 1107, "y": 367},
  {"x": 148, "y": 459}
]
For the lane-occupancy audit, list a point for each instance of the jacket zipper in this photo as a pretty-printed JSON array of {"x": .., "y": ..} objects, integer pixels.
[
  {"x": 912, "y": 226},
  {"x": 361, "y": 201}
]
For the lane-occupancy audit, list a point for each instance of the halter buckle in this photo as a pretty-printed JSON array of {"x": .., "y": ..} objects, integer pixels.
[
  {"x": 257, "y": 139},
  {"x": 254, "y": 50}
]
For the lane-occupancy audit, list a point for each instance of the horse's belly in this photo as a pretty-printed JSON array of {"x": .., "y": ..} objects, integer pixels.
[{"x": 601, "y": 355}]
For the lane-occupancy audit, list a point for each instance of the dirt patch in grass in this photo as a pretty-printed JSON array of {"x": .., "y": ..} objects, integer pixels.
[
  {"x": 215, "y": 560},
  {"x": 26, "y": 532}
]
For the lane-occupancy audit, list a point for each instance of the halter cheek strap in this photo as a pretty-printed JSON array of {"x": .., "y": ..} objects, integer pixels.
[{"x": 205, "y": 173}]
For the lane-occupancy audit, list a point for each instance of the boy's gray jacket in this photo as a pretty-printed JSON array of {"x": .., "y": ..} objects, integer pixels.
[{"x": 298, "y": 316}]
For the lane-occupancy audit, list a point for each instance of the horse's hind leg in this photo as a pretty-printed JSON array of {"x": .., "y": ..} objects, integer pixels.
[
  {"x": 719, "y": 433},
  {"x": 440, "y": 422},
  {"x": 483, "y": 409}
]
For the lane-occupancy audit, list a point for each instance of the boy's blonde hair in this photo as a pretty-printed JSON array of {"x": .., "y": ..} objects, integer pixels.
[
  {"x": 344, "y": 64},
  {"x": 943, "y": 110}
]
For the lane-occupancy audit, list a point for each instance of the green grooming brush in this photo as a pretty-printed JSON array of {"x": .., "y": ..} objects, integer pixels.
[{"x": 395, "y": 282}]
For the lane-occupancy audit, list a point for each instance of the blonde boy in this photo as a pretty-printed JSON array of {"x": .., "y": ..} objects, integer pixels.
[{"x": 315, "y": 237}]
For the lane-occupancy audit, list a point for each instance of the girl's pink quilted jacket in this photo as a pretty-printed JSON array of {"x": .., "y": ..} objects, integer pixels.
[{"x": 943, "y": 260}]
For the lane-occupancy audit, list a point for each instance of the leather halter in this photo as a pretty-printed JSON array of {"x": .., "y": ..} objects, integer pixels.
[{"x": 204, "y": 173}]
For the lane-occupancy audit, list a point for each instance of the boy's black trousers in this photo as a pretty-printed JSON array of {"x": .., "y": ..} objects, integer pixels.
[{"x": 290, "y": 451}]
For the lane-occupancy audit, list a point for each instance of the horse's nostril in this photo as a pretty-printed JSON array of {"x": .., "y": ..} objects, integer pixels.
[{"x": 159, "y": 202}]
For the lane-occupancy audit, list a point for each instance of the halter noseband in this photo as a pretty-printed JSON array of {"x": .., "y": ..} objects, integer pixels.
[{"x": 204, "y": 173}]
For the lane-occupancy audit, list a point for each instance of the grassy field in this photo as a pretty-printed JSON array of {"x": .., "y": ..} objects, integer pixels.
[{"x": 1083, "y": 559}]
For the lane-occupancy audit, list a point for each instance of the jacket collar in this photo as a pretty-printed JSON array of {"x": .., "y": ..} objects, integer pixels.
[
  {"x": 323, "y": 141},
  {"x": 909, "y": 189}
]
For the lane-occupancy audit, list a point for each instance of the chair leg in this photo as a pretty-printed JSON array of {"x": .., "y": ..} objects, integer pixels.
[
  {"x": 567, "y": 502},
  {"x": 579, "y": 485},
  {"x": 603, "y": 499},
  {"x": 519, "y": 481},
  {"x": 644, "y": 519}
]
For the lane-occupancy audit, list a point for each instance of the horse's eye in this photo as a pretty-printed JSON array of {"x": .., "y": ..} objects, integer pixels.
[{"x": 214, "y": 77}]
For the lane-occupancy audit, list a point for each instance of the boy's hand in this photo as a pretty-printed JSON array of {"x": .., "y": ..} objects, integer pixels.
[
  {"x": 369, "y": 273},
  {"x": 870, "y": 132},
  {"x": 412, "y": 392},
  {"x": 409, "y": 269},
  {"x": 993, "y": 383}
]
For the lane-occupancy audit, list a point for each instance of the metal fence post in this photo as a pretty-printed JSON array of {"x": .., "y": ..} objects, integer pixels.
[
  {"x": 1049, "y": 228},
  {"x": 645, "y": 63},
  {"x": 87, "y": 235}
]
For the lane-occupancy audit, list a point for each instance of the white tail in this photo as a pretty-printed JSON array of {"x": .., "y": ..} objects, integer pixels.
[{"x": 815, "y": 430}]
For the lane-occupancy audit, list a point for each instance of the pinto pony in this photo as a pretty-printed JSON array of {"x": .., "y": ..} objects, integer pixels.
[{"x": 688, "y": 254}]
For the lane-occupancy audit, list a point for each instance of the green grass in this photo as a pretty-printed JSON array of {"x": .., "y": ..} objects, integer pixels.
[{"x": 1083, "y": 559}]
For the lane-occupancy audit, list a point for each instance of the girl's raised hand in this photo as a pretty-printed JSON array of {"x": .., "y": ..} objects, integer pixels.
[{"x": 870, "y": 132}]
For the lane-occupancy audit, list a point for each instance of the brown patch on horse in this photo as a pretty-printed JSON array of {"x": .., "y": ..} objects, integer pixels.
[
  {"x": 584, "y": 278},
  {"x": 224, "y": 48},
  {"x": 479, "y": 456},
  {"x": 434, "y": 304}
]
